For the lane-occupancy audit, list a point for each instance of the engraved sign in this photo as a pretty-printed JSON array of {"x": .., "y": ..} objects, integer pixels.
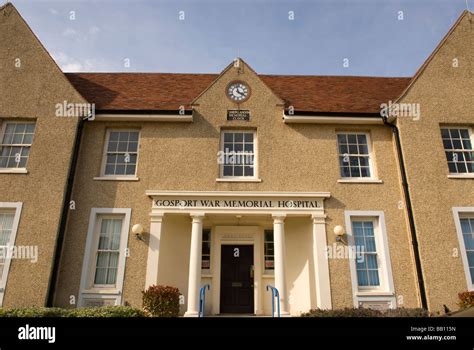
[{"x": 238, "y": 115}]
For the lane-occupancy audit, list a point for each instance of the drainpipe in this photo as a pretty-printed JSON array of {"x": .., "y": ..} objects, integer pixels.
[
  {"x": 64, "y": 214},
  {"x": 411, "y": 220}
]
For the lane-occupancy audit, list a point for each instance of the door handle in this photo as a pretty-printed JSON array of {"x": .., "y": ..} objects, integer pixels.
[{"x": 251, "y": 271}]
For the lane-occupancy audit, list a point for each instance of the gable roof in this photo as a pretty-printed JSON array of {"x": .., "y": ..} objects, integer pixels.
[
  {"x": 169, "y": 91},
  {"x": 425, "y": 64}
]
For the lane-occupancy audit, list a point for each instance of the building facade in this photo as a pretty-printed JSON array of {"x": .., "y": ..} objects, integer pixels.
[{"x": 238, "y": 181}]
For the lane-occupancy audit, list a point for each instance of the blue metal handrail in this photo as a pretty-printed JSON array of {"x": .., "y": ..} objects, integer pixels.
[
  {"x": 202, "y": 299},
  {"x": 275, "y": 294}
]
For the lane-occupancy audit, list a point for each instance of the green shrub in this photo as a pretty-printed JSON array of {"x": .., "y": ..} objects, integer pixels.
[
  {"x": 466, "y": 300},
  {"x": 364, "y": 312},
  {"x": 161, "y": 301},
  {"x": 103, "y": 311},
  {"x": 34, "y": 312},
  {"x": 107, "y": 311}
]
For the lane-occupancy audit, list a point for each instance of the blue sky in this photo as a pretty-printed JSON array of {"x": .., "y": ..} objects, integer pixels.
[{"x": 106, "y": 35}]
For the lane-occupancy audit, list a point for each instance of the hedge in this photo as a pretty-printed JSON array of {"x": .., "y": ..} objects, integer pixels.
[
  {"x": 103, "y": 311},
  {"x": 364, "y": 312}
]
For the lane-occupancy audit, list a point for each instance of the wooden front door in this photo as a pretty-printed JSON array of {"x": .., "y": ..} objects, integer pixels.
[{"x": 237, "y": 292}]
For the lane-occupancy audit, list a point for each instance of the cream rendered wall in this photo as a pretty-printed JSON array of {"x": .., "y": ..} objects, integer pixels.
[
  {"x": 31, "y": 85},
  {"x": 445, "y": 94}
]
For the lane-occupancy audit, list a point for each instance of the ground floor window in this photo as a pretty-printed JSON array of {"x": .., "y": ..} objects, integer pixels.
[
  {"x": 464, "y": 219},
  {"x": 370, "y": 266},
  {"x": 206, "y": 249},
  {"x": 269, "y": 255},
  {"x": 9, "y": 220},
  {"x": 104, "y": 258}
]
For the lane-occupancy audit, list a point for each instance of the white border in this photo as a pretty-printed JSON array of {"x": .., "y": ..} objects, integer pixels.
[
  {"x": 17, "y": 206},
  {"x": 457, "y": 213},
  {"x": 98, "y": 293},
  {"x": 386, "y": 291}
]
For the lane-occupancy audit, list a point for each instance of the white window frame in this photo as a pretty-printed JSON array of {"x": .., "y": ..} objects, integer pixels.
[
  {"x": 87, "y": 288},
  {"x": 459, "y": 213},
  {"x": 103, "y": 176},
  {"x": 16, "y": 207},
  {"x": 22, "y": 170},
  {"x": 253, "y": 178},
  {"x": 386, "y": 291},
  {"x": 265, "y": 270},
  {"x": 373, "y": 172},
  {"x": 471, "y": 136},
  {"x": 208, "y": 270}
]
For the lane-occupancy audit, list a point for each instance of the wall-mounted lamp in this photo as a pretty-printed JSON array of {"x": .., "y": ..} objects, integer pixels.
[
  {"x": 339, "y": 232},
  {"x": 137, "y": 229}
]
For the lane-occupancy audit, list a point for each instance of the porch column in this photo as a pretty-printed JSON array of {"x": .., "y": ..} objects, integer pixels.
[
  {"x": 321, "y": 266},
  {"x": 280, "y": 261},
  {"x": 153, "y": 250},
  {"x": 194, "y": 282}
]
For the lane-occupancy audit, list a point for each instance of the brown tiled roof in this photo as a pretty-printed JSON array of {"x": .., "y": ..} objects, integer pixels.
[{"x": 168, "y": 91}]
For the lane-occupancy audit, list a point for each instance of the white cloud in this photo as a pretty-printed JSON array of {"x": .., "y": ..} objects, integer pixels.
[
  {"x": 67, "y": 64},
  {"x": 69, "y": 33}
]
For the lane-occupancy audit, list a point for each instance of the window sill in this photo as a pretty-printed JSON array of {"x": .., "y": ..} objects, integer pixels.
[
  {"x": 13, "y": 171},
  {"x": 360, "y": 181},
  {"x": 238, "y": 180},
  {"x": 206, "y": 275},
  {"x": 375, "y": 293},
  {"x": 268, "y": 275},
  {"x": 116, "y": 178},
  {"x": 459, "y": 176},
  {"x": 101, "y": 291}
]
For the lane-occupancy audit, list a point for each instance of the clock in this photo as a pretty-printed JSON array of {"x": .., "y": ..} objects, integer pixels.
[{"x": 238, "y": 91}]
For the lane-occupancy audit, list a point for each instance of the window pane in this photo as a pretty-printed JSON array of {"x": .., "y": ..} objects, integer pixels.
[
  {"x": 373, "y": 277},
  {"x": 362, "y": 139},
  {"x": 112, "y": 146},
  {"x": 228, "y": 137},
  {"x": 362, "y": 278},
  {"x": 454, "y": 133},
  {"x": 238, "y": 137},
  {"x": 133, "y": 136},
  {"x": 249, "y": 137},
  {"x": 238, "y": 171}
]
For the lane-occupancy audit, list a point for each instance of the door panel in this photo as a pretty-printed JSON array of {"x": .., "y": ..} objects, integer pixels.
[{"x": 237, "y": 291}]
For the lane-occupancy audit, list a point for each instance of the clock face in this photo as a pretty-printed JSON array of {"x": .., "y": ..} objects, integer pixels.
[{"x": 238, "y": 91}]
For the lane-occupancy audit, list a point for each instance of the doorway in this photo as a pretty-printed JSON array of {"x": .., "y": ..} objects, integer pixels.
[{"x": 237, "y": 279}]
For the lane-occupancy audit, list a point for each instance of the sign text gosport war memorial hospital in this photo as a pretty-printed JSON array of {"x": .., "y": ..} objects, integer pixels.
[{"x": 232, "y": 203}]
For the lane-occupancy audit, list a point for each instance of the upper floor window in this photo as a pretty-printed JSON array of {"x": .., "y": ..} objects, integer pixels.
[
  {"x": 238, "y": 153},
  {"x": 16, "y": 141},
  {"x": 121, "y": 153},
  {"x": 458, "y": 148},
  {"x": 354, "y": 155}
]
